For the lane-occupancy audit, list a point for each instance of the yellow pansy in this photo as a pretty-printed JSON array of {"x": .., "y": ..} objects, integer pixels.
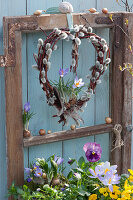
[
  {"x": 127, "y": 187},
  {"x": 104, "y": 191},
  {"x": 92, "y": 197},
  {"x": 116, "y": 192},
  {"x": 125, "y": 195},
  {"x": 131, "y": 178},
  {"x": 131, "y": 171}
]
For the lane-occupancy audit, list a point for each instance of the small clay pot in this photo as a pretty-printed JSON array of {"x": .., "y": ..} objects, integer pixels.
[
  {"x": 108, "y": 120},
  {"x": 55, "y": 181},
  {"x": 26, "y": 134},
  {"x": 49, "y": 131},
  {"x": 92, "y": 10},
  {"x": 105, "y": 10},
  {"x": 73, "y": 127},
  {"x": 42, "y": 132}
]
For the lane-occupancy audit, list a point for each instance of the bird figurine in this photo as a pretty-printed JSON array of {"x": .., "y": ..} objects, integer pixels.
[{"x": 65, "y": 7}]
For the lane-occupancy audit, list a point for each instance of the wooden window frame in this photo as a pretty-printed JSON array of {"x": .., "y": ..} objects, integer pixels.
[{"x": 120, "y": 87}]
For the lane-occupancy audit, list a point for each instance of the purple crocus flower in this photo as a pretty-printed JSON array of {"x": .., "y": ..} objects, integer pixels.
[
  {"x": 58, "y": 160},
  {"x": 38, "y": 173},
  {"x": 28, "y": 171},
  {"x": 78, "y": 83},
  {"x": 63, "y": 72},
  {"x": 102, "y": 169},
  {"x": 29, "y": 180},
  {"x": 27, "y": 107},
  {"x": 93, "y": 151},
  {"x": 35, "y": 167},
  {"x": 109, "y": 179}
]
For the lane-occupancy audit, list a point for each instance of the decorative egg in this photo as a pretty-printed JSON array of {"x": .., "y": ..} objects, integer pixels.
[
  {"x": 26, "y": 133},
  {"x": 49, "y": 131},
  {"x": 44, "y": 175},
  {"x": 73, "y": 127},
  {"x": 42, "y": 132},
  {"x": 92, "y": 10},
  {"x": 65, "y": 7},
  {"x": 38, "y": 12},
  {"x": 105, "y": 10},
  {"x": 108, "y": 120}
]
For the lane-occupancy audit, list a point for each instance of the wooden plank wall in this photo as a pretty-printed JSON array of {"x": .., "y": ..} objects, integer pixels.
[{"x": 97, "y": 109}]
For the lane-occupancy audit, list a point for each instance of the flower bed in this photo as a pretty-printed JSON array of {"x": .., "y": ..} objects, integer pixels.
[{"x": 86, "y": 180}]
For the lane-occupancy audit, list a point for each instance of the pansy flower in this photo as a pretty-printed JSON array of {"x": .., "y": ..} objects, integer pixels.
[
  {"x": 27, "y": 107},
  {"x": 78, "y": 83},
  {"x": 93, "y": 151},
  {"x": 63, "y": 72}
]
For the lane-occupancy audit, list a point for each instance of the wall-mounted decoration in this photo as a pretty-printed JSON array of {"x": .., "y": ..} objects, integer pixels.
[{"x": 64, "y": 95}]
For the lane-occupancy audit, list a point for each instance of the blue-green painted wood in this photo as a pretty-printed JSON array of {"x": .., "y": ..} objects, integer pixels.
[
  {"x": 43, "y": 118},
  {"x": 24, "y": 86},
  {"x": 102, "y": 103},
  {"x": 74, "y": 149}
]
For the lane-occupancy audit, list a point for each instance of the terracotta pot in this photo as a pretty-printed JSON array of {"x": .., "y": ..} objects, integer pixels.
[{"x": 26, "y": 133}]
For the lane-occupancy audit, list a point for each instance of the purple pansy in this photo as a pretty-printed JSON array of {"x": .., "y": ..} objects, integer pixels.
[
  {"x": 28, "y": 171},
  {"x": 78, "y": 83},
  {"x": 58, "y": 160},
  {"x": 63, "y": 72},
  {"x": 93, "y": 151},
  {"x": 27, "y": 107},
  {"x": 38, "y": 173}
]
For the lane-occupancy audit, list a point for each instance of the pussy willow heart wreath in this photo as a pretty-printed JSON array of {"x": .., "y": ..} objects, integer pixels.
[{"x": 69, "y": 108}]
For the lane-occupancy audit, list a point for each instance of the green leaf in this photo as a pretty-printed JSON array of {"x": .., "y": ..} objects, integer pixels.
[
  {"x": 81, "y": 162},
  {"x": 54, "y": 167},
  {"x": 81, "y": 192},
  {"x": 70, "y": 174}
]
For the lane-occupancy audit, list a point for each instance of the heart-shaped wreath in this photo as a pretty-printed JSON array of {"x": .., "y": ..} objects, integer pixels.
[{"x": 70, "y": 106}]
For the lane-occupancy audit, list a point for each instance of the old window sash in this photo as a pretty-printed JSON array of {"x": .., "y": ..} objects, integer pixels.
[{"x": 120, "y": 87}]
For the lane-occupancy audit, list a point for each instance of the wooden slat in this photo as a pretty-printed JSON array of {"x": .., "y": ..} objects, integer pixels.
[
  {"x": 121, "y": 95},
  {"x": 116, "y": 37},
  {"x": 48, "y": 22},
  {"x": 127, "y": 98},
  {"x": 69, "y": 134},
  {"x": 14, "y": 125}
]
